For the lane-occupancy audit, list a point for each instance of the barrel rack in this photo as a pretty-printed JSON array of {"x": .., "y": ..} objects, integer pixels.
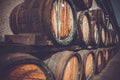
[{"x": 78, "y": 49}]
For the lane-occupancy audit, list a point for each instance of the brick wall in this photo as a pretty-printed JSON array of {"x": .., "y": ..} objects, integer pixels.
[{"x": 6, "y": 7}]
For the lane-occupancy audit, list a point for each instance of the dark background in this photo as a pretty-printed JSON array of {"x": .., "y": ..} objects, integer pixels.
[{"x": 116, "y": 8}]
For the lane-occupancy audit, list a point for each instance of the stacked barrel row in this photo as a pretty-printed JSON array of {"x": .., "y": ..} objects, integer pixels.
[
  {"x": 64, "y": 65},
  {"x": 97, "y": 29},
  {"x": 55, "y": 19},
  {"x": 64, "y": 22}
]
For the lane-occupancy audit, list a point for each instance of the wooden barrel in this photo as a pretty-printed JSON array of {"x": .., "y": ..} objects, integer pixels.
[
  {"x": 112, "y": 39},
  {"x": 117, "y": 41},
  {"x": 110, "y": 53},
  {"x": 64, "y": 25},
  {"x": 107, "y": 38},
  {"x": 93, "y": 15},
  {"x": 56, "y": 19},
  {"x": 82, "y": 4},
  {"x": 106, "y": 55},
  {"x": 31, "y": 3},
  {"x": 102, "y": 35},
  {"x": 88, "y": 64},
  {"x": 111, "y": 32},
  {"x": 23, "y": 20},
  {"x": 20, "y": 66},
  {"x": 99, "y": 60},
  {"x": 95, "y": 34},
  {"x": 101, "y": 17},
  {"x": 66, "y": 65},
  {"x": 84, "y": 31}
]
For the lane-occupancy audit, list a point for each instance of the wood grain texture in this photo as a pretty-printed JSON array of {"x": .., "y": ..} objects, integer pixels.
[
  {"x": 26, "y": 72},
  {"x": 65, "y": 65}
]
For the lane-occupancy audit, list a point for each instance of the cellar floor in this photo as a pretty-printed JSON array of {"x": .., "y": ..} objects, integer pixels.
[{"x": 112, "y": 70}]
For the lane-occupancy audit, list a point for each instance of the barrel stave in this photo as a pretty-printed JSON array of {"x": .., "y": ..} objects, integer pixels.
[
  {"x": 23, "y": 66},
  {"x": 65, "y": 65}
]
